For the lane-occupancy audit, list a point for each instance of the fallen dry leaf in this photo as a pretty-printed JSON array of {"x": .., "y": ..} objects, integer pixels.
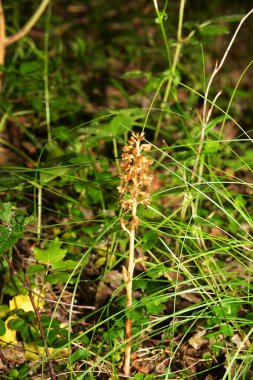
[{"x": 196, "y": 341}]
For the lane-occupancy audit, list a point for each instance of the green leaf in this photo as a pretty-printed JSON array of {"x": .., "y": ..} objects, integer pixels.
[
  {"x": 11, "y": 233},
  {"x": 134, "y": 74},
  {"x": 5, "y": 212},
  {"x": 17, "y": 324},
  {"x": 36, "y": 268},
  {"x": 13, "y": 374},
  {"x": 229, "y": 18},
  {"x": 228, "y": 309},
  {"x": 3, "y": 68},
  {"x": 150, "y": 238},
  {"x": 154, "y": 307},
  {"x": 2, "y": 327},
  {"x": 8, "y": 237},
  {"x": 78, "y": 355},
  {"x": 217, "y": 347},
  {"x": 60, "y": 277},
  {"x": 14, "y": 287},
  {"x": 212, "y": 30},
  {"x": 226, "y": 329},
  {"x": 51, "y": 254},
  {"x": 211, "y": 147},
  {"x": 64, "y": 265},
  {"x": 29, "y": 67},
  {"x": 249, "y": 316}
]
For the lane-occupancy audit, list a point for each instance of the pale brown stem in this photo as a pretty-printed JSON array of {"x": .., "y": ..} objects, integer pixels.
[
  {"x": 29, "y": 25},
  {"x": 129, "y": 291},
  {"x": 2, "y": 42}
]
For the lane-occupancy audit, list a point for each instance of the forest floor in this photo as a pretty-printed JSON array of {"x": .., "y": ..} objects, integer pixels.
[{"x": 73, "y": 90}]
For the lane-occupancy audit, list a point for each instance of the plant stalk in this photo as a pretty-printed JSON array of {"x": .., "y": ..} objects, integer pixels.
[
  {"x": 173, "y": 69},
  {"x": 129, "y": 294}
]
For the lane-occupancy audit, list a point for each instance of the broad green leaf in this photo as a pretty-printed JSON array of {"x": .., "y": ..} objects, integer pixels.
[
  {"x": 226, "y": 329},
  {"x": 79, "y": 355},
  {"x": 154, "y": 307},
  {"x": 51, "y": 254},
  {"x": 29, "y": 67},
  {"x": 150, "y": 238},
  {"x": 212, "y": 30},
  {"x": 64, "y": 265},
  {"x": 16, "y": 324},
  {"x": 48, "y": 174},
  {"x": 59, "y": 277},
  {"x": 36, "y": 268}
]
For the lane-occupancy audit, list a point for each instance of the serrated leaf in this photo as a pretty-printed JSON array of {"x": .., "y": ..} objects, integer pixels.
[{"x": 51, "y": 254}]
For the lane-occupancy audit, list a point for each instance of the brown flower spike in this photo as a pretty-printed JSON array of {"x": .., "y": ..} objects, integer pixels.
[
  {"x": 135, "y": 181},
  {"x": 136, "y": 178}
]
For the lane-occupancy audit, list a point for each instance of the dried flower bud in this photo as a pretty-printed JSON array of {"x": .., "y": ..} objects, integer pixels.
[
  {"x": 136, "y": 177},
  {"x": 146, "y": 147}
]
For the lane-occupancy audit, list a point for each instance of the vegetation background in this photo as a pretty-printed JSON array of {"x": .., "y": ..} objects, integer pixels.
[{"x": 73, "y": 89}]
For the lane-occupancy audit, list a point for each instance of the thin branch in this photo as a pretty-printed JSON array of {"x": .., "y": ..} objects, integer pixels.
[{"x": 29, "y": 25}]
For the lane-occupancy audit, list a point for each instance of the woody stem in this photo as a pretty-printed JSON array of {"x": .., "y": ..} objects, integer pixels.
[{"x": 129, "y": 291}]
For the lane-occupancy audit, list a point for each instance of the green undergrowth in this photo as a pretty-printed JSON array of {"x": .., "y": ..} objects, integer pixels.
[{"x": 68, "y": 105}]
